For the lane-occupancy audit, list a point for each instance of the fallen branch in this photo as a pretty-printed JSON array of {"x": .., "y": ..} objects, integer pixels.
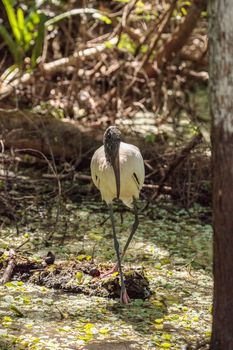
[
  {"x": 44, "y": 136},
  {"x": 37, "y": 135},
  {"x": 60, "y": 64},
  {"x": 8, "y": 87}
]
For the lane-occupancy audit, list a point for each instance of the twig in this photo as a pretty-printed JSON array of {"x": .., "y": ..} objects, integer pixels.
[
  {"x": 126, "y": 12},
  {"x": 22, "y": 244},
  {"x": 178, "y": 160},
  {"x": 157, "y": 37},
  {"x": 58, "y": 65},
  {"x": 8, "y": 271},
  {"x": 165, "y": 19},
  {"x": 65, "y": 176}
]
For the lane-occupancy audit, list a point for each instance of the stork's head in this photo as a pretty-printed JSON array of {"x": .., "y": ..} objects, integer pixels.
[{"x": 112, "y": 140}]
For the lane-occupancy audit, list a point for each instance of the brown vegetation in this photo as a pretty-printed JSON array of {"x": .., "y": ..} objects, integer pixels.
[{"x": 136, "y": 67}]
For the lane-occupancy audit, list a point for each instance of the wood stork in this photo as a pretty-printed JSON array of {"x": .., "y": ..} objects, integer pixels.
[{"x": 117, "y": 170}]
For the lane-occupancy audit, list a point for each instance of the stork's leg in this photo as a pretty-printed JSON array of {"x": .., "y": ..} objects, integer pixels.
[
  {"x": 134, "y": 227},
  {"x": 133, "y": 230},
  {"x": 124, "y": 296}
]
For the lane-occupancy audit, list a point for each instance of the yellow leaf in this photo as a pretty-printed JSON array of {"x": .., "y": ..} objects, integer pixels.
[
  {"x": 159, "y": 320},
  {"x": 79, "y": 276},
  {"x": 81, "y": 257},
  {"x": 166, "y": 336},
  {"x": 104, "y": 331},
  {"x": 159, "y": 326},
  {"x": 195, "y": 318},
  {"x": 140, "y": 4},
  {"x": 7, "y": 319},
  {"x": 114, "y": 274},
  {"x": 89, "y": 326}
]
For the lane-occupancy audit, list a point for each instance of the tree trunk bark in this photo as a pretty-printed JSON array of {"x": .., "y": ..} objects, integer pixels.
[{"x": 221, "y": 109}]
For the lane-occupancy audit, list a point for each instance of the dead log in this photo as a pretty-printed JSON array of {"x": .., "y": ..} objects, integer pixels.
[{"x": 45, "y": 135}]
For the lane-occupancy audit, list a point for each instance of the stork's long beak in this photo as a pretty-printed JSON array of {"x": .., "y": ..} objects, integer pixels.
[{"x": 116, "y": 169}]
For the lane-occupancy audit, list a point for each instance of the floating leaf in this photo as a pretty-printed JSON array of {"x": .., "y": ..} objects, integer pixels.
[
  {"x": 159, "y": 320},
  {"x": 88, "y": 326},
  {"x": 7, "y": 319},
  {"x": 104, "y": 331},
  {"x": 83, "y": 257},
  {"x": 159, "y": 326},
  {"x": 11, "y": 284},
  {"x": 158, "y": 266},
  {"x": 166, "y": 336},
  {"x": 79, "y": 276},
  {"x": 86, "y": 337},
  {"x": 195, "y": 319},
  {"x": 16, "y": 311}
]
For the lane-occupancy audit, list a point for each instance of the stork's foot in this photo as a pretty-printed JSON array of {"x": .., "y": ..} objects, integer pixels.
[
  {"x": 124, "y": 297},
  {"x": 109, "y": 272}
]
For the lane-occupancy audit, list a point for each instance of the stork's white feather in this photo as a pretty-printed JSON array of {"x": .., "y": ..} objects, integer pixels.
[{"x": 132, "y": 174}]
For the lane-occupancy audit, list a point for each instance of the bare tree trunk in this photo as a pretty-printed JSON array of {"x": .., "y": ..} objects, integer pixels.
[{"x": 221, "y": 107}]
